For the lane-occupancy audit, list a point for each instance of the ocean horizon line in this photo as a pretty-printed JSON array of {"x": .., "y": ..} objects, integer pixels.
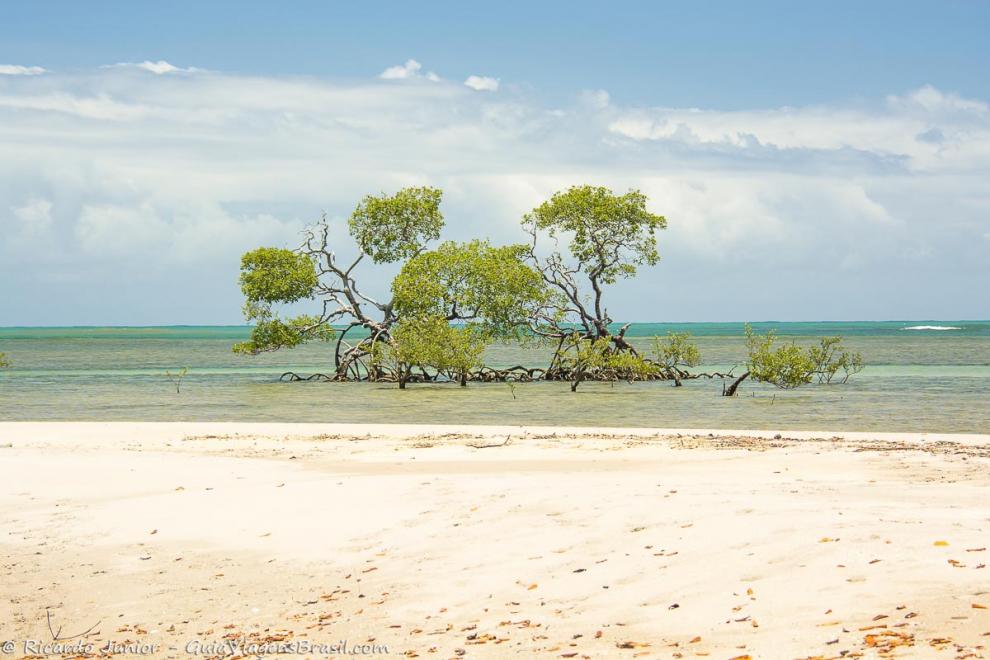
[{"x": 126, "y": 326}]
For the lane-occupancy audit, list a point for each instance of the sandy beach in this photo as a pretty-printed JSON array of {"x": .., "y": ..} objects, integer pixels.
[{"x": 173, "y": 540}]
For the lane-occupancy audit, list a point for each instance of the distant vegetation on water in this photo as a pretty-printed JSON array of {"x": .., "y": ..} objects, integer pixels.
[{"x": 451, "y": 300}]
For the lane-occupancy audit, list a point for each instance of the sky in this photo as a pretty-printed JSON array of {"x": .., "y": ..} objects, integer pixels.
[{"x": 815, "y": 161}]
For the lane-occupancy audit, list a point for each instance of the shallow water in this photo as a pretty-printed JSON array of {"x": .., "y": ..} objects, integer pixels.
[{"x": 916, "y": 380}]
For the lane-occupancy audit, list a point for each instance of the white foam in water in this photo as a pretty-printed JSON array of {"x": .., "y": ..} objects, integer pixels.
[{"x": 932, "y": 327}]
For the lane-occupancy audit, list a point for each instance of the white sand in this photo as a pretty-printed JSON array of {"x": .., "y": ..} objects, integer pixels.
[{"x": 562, "y": 543}]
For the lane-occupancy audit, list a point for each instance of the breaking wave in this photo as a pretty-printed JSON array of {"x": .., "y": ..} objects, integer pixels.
[{"x": 932, "y": 327}]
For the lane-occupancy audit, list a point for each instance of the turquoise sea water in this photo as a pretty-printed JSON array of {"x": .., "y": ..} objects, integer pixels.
[{"x": 919, "y": 378}]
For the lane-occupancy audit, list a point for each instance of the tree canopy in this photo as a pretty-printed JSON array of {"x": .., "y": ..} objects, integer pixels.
[
  {"x": 274, "y": 276},
  {"x": 482, "y": 292},
  {"x": 432, "y": 342},
  {"x": 450, "y": 301},
  {"x": 674, "y": 353},
  {"x": 390, "y": 228},
  {"x": 788, "y": 366},
  {"x": 785, "y": 366},
  {"x": 830, "y": 357},
  {"x": 595, "y": 357},
  {"x": 474, "y": 282},
  {"x": 608, "y": 236},
  {"x": 384, "y": 228}
]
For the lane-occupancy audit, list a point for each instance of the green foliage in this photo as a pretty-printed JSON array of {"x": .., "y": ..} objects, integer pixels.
[
  {"x": 271, "y": 334},
  {"x": 490, "y": 287},
  {"x": 391, "y": 228},
  {"x": 4, "y": 361},
  {"x": 852, "y": 365},
  {"x": 270, "y": 276},
  {"x": 433, "y": 342},
  {"x": 830, "y": 357},
  {"x": 609, "y": 234},
  {"x": 599, "y": 355},
  {"x": 791, "y": 366},
  {"x": 676, "y": 350},
  {"x": 274, "y": 275},
  {"x": 786, "y": 366}
]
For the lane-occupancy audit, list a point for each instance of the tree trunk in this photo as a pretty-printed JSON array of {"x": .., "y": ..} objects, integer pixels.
[
  {"x": 578, "y": 377},
  {"x": 621, "y": 344},
  {"x": 556, "y": 357},
  {"x": 341, "y": 373},
  {"x": 464, "y": 379},
  {"x": 731, "y": 389},
  {"x": 403, "y": 376}
]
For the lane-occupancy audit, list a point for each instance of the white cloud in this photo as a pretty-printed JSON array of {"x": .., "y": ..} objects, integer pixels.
[
  {"x": 117, "y": 229},
  {"x": 482, "y": 83},
  {"x": 160, "y": 67},
  {"x": 930, "y": 99},
  {"x": 101, "y": 106},
  {"x": 596, "y": 98},
  {"x": 35, "y": 216},
  {"x": 108, "y": 177},
  {"x": 400, "y": 71},
  {"x": 186, "y": 232},
  {"x": 18, "y": 70},
  {"x": 408, "y": 71},
  {"x": 29, "y": 226},
  {"x": 899, "y": 134}
]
